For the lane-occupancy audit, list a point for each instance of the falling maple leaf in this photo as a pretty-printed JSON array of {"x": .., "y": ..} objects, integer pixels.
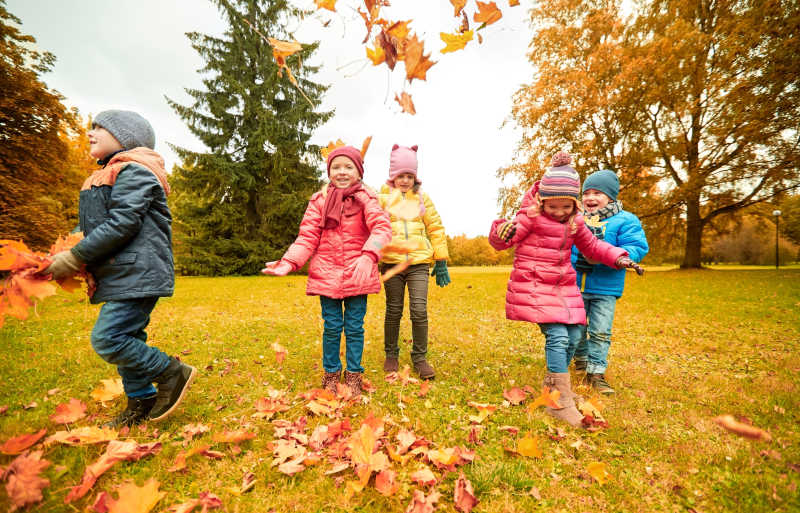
[
  {"x": 376, "y": 55},
  {"x": 330, "y": 147},
  {"x": 20, "y": 443},
  {"x": 24, "y": 484},
  {"x": 417, "y": 63},
  {"x": 515, "y": 395},
  {"x": 115, "y": 451},
  {"x": 455, "y": 42},
  {"x": 422, "y": 504},
  {"x": 385, "y": 482},
  {"x": 391, "y": 48},
  {"x": 67, "y": 413},
  {"x": 365, "y": 146},
  {"x": 406, "y": 104},
  {"x": 399, "y": 29},
  {"x": 83, "y": 436},
  {"x": 599, "y": 472},
  {"x": 326, "y": 4},
  {"x": 740, "y": 428},
  {"x": 548, "y": 398},
  {"x": 513, "y": 3},
  {"x": 488, "y": 13},
  {"x": 458, "y": 5},
  {"x": 107, "y": 390},
  {"x": 464, "y": 495},
  {"x": 280, "y": 352},
  {"x": 135, "y": 499}
]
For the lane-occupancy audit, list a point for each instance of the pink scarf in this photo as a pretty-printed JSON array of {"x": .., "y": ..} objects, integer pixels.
[{"x": 335, "y": 202}]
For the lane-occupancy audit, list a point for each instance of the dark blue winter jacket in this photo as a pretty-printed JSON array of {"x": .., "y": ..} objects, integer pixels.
[{"x": 127, "y": 228}]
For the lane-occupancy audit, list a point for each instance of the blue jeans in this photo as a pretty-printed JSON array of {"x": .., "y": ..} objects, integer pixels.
[
  {"x": 119, "y": 338},
  {"x": 560, "y": 341},
  {"x": 352, "y": 322},
  {"x": 599, "y": 318}
]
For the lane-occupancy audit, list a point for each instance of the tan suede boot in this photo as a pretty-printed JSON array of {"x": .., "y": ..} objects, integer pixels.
[
  {"x": 568, "y": 412},
  {"x": 329, "y": 381}
]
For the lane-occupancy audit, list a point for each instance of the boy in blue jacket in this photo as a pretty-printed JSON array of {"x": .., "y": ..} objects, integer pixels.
[
  {"x": 127, "y": 246},
  {"x": 601, "y": 285}
]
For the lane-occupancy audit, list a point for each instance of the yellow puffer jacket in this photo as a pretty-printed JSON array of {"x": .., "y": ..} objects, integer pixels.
[{"x": 426, "y": 229}]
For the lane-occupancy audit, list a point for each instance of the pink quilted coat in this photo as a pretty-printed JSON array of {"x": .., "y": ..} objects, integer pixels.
[
  {"x": 334, "y": 251},
  {"x": 542, "y": 287}
]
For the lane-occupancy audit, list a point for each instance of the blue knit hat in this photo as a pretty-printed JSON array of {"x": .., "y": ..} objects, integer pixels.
[
  {"x": 129, "y": 128},
  {"x": 605, "y": 181}
]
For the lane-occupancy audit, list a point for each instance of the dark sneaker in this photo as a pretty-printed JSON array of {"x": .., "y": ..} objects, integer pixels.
[
  {"x": 599, "y": 383},
  {"x": 580, "y": 365},
  {"x": 136, "y": 412},
  {"x": 330, "y": 380},
  {"x": 391, "y": 365},
  {"x": 424, "y": 369},
  {"x": 353, "y": 380},
  {"x": 172, "y": 385}
]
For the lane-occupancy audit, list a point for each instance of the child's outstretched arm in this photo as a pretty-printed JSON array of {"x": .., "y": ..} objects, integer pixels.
[
  {"x": 601, "y": 251},
  {"x": 632, "y": 239},
  {"x": 505, "y": 234},
  {"x": 303, "y": 246}
]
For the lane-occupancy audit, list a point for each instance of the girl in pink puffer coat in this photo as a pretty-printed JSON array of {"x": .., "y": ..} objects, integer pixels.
[
  {"x": 343, "y": 231},
  {"x": 542, "y": 287}
]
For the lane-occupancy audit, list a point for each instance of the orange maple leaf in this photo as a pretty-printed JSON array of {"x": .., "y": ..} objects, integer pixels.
[
  {"x": 24, "y": 484},
  {"x": 515, "y": 395},
  {"x": 458, "y": 6},
  {"x": 67, "y": 413},
  {"x": 83, "y": 436},
  {"x": 399, "y": 29},
  {"x": 547, "y": 398},
  {"x": 330, "y": 147},
  {"x": 455, "y": 42},
  {"x": 326, "y": 4},
  {"x": 235, "y": 436},
  {"x": 513, "y": 3},
  {"x": 365, "y": 146},
  {"x": 376, "y": 55},
  {"x": 19, "y": 443},
  {"x": 488, "y": 13},
  {"x": 417, "y": 63},
  {"x": 406, "y": 104},
  {"x": 385, "y": 482}
]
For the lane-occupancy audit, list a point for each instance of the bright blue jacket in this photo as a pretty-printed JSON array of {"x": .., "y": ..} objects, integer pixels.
[{"x": 623, "y": 230}]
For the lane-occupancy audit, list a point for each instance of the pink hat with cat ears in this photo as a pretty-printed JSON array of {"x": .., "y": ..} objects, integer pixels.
[{"x": 402, "y": 160}]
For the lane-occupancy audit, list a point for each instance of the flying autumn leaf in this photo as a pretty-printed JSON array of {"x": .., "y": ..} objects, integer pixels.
[
  {"x": 455, "y": 42},
  {"x": 740, "y": 428},
  {"x": 599, "y": 472},
  {"x": 115, "y": 451},
  {"x": 67, "y": 413},
  {"x": 24, "y": 484},
  {"x": 83, "y": 436},
  {"x": 488, "y": 13},
  {"x": 464, "y": 495},
  {"x": 390, "y": 46},
  {"x": 365, "y": 146},
  {"x": 385, "y": 482},
  {"x": 280, "y": 352},
  {"x": 417, "y": 63},
  {"x": 458, "y": 5},
  {"x": 548, "y": 398},
  {"x": 376, "y": 55},
  {"x": 20, "y": 443},
  {"x": 326, "y": 4},
  {"x": 513, "y": 3},
  {"x": 108, "y": 390},
  {"x": 330, "y": 147},
  {"x": 515, "y": 395},
  {"x": 135, "y": 499}
]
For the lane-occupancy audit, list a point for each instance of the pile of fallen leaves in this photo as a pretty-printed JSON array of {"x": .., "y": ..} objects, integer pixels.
[{"x": 23, "y": 282}]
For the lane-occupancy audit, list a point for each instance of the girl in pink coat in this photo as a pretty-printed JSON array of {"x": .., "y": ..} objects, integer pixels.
[
  {"x": 343, "y": 231},
  {"x": 542, "y": 287}
]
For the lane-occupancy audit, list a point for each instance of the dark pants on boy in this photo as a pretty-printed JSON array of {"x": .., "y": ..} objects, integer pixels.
[
  {"x": 416, "y": 278},
  {"x": 119, "y": 338},
  {"x": 351, "y": 321}
]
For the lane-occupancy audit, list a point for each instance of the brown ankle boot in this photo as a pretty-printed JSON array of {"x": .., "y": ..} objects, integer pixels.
[
  {"x": 353, "y": 380},
  {"x": 424, "y": 369},
  {"x": 391, "y": 365},
  {"x": 329, "y": 381},
  {"x": 568, "y": 412}
]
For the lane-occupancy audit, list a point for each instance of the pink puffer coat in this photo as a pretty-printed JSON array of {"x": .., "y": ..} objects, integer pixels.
[
  {"x": 542, "y": 287},
  {"x": 333, "y": 252}
]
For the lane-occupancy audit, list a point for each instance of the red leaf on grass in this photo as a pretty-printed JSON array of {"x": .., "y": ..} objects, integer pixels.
[
  {"x": 515, "y": 395},
  {"x": 464, "y": 496},
  {"x": 67, "y": 413},
  {"x": 19, "y": 443}
]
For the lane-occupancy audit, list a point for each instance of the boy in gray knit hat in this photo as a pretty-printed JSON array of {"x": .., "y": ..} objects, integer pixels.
[{"x": 127, "y": 246}]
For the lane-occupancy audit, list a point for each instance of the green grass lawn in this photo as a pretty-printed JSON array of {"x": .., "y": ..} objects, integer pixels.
[{"x": 688, "y": 346}]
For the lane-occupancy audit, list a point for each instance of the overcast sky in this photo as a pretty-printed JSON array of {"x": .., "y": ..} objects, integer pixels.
[{"x": 130, "y": 54}]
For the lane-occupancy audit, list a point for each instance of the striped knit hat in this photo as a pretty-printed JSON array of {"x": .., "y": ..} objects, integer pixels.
[{"x": 560, "y": 180}]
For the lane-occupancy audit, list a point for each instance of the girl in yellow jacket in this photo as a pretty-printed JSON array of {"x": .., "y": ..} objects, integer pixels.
[{"x": 424, "y": 230}]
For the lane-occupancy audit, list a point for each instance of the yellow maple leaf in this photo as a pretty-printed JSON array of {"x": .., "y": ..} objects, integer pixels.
[
  {"x": 376, "y": 55},
  {"x": 326, "y": 4},
  {"x": 455, "y": 42},
  {"x": 529, "y": 447},
  {"x": 599, "y": 472}
]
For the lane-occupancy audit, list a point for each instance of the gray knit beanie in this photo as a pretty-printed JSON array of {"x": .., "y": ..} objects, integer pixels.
[{"x": 129, "y": 128}]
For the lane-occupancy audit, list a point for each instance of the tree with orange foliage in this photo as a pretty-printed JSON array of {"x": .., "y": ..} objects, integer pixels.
[{"x": 697, "y": 104}]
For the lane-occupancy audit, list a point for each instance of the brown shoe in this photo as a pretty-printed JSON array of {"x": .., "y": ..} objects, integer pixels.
[
  {"x": 353, "y": 380},
  {"x": 391, "y": 365},
  {"x": 568, "y": 412},
  {"x": 329, "y": 381},
  {"x": 599, "y": 383},
  {"x": 424, "y": 369}
]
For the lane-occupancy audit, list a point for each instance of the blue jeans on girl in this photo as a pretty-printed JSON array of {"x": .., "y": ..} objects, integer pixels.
[
  {"x": 599, "y": 318},
  {"x": 119, "y": 338},
  {"x": 560, "y": 341},
  {"x": 351, "y": 320}
]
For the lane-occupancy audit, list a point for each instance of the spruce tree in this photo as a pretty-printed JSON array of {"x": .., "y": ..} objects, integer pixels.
[{"x": 240, "y": 203}]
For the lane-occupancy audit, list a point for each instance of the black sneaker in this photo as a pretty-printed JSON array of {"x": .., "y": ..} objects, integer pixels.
[
  {"x": 172, "y": 385},
  {"x": 599, "y": 383},
  {"x": 136, "y": 412},
  {"x": 580, "y": 365}
]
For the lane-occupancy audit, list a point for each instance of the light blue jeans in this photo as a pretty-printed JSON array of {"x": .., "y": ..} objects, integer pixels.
[
  {"x": 119, "y": 338},
  {"x": 351, "y": 320},
  {"x": 595, "y": 338},
  {"x": 560, "y": 341}
]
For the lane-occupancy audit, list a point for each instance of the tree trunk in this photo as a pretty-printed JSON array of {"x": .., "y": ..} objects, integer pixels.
[{"x": 694, "y": 235}]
